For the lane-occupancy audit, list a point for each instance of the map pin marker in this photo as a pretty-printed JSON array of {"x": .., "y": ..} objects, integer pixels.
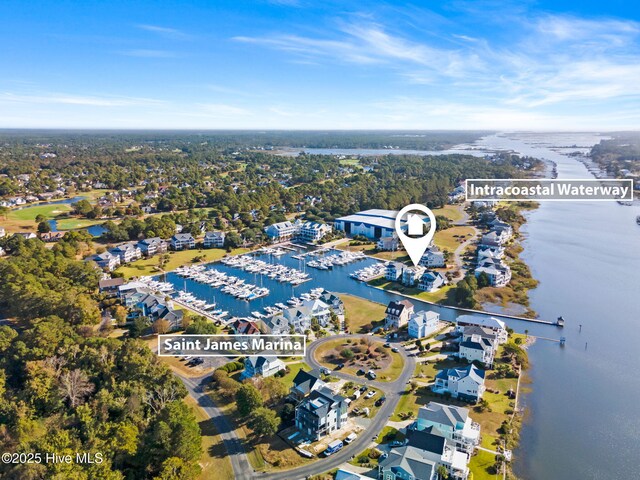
[{"x": 415, "y": 247}]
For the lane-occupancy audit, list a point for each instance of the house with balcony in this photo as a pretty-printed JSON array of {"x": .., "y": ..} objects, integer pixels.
[
  {"x": 214, "y": 239},
  {"x": 476, "y": 348},
  {"x": 128, "y": 252},
  {"x": 450, "y": 422},
  {"x": 464, "y": 383},
  {"x": 321, "y": 413},
  {"x": 313, "y": 232},
  {"x": 304, "y": 383},
  {"x": 423, "y": 324},
  {"x": 388, "y": 244},
  {"x": 182, "y": 241},
  {"x": 282, "y": 231},
  {"x": 431, "y": 281},
  {"x": 411, "y": 276},
  {"x": 107, "y": 261},
  {"x": 257, "y": 365},
  {"x": 393, "y": 271},
  {"x": 433, "y": 258},
  {"x": 152, "y": 246},
  {"x": 492, "y": 324}
]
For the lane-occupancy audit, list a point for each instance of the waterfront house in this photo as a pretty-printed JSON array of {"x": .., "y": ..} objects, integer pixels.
[
  {"x": 257, "y": 365},
  {"x": 214, "y": 239},
  {"x": 431, "y": 281},
  {"x": 464, "y": 383},
  {"x": 433, "y": 258},
  {"x": 422, "y": 324},
  {"x": 107, "y": 261},
  {"x": 497, "y": 272},
  {"x": 420, "y": 458},
  {"x": 450, "y": 422},
  {"x": 152, "y": 246},
  {"x": 397, "y": 314},
  {"x": 497, "y": 326},
  {"x": 182, "y": 241},
  {"x": 393, "y": 271},
  {"x": 388, "y": 244},
  {"x": 128, "y": 252},
  {"x": 306, "y": 382},
  {"x": 313, "y": 231},
  {"x": 476, "y": 348},
  {"x": 282, "y": 231},
  {"x": 321, "y": 413},
  {"x": 411, "y": 275}
]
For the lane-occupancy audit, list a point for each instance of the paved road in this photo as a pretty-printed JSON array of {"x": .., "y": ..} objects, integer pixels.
[
  {"x": 235, "y": 450},
  {"x": 241, "y": 467}
]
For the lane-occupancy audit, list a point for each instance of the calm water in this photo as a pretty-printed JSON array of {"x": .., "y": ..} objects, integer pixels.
[
  {"x": 337, "y": 280},
  {"x": 582, "y": 420}
]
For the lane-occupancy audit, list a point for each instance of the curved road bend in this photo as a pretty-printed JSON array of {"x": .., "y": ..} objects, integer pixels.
[{"x": 241, "y": 466}]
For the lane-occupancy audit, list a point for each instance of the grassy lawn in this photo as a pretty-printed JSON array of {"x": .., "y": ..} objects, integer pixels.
[
  {"x": 73, "y": 223},
  {"x": 479, "y": 465},
  {"x": 452, "y": 212},
  {"x": 149, "y": 266},
  {"x": 294, "y": 368},
  {"x": 214, "y": 461},
  {"x": 440, "y": 296},
  {"x": 361, "y": 312},
  {"x": 390, "y": 367},
  {"x": 389, "y": 434},
  {"x": 446, "y": 239}
]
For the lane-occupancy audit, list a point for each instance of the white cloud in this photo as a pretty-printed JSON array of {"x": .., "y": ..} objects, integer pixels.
[
  {"x": 165, "y": 31},
  {"x": 68, "y": 99}
]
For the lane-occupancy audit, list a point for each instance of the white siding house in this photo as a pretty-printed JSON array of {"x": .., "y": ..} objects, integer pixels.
[{"x": 423, "y": 323}]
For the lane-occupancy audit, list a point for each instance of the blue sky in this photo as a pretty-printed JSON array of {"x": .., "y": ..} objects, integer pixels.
[{"x": 318, "y": 65}]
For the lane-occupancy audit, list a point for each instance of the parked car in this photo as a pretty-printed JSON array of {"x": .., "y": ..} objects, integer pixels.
[
  {"x": 371, "y": 394},
  {"x": 326, "y": 371},
  {"x": 387, "y": 345},
  {"x": 360, "y": 372},
  {"x": 364, "y": 388},
  {"x": 396, "y": 443},
  {"x": 380, "y": 401},
  {"x": 350, "y": 438},
  {"x": 395, "y": 349},
  {"x": 371, "y": 374},
  {"x": 340, "y": 366}
]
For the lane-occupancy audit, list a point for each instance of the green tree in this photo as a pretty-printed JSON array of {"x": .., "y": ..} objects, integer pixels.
[
  {"x": 248, "y": 399},
  {"x": 264, "y": 422}
]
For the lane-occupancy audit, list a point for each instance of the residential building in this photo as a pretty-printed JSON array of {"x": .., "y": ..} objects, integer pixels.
[
  {"x": 451, "y": 422},
  {"x": 423, "y": 324},
  {"x": 306, "y": 382},
  {"x": 482, "y": 332},
  {"x": 497, "y": 272},
  {"x": 110, "y": 286},
  {"x": 388, "y": 244},
  {"x": 433, "y": 258},
  {"x": 2, "y": 252},
  {"x": 421, "y": 457},
  {"x": 257, "y": 365},
  {"x": 497, "y": 326},
  {"x": 397, "y": 314},
  {"x": 214, "y": 239},
  {"x": 107, "y": 261},
  {"x": 152, "y": 246},
  {"x": 464, "y": 383},
  {"x": 52, "y": 236},
  {"x": 245, "y": 327},
  {"x": 128, "y": 252},
  {"x": 282, "y": 231},
  {"x": 313, "y": 231},
  {"x": 25, "y": 235},
  {"x": 476, "y": 348},
  {"x": 411, "y": 275},
  {"x": 393, "y": 271},
  {"x": 182, "y": 241},
  {"x": 320, "y": 413},
  {"x": 298, "y": 318},
  {"x": 431, "y": 281},
  {"x": 2, "y": 232}
]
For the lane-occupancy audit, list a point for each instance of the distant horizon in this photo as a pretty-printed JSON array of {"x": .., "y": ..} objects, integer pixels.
[{"x": 266, "y": 130}]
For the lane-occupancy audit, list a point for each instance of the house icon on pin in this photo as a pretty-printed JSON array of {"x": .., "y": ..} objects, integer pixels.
[{"x": 415, "y": 225}]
